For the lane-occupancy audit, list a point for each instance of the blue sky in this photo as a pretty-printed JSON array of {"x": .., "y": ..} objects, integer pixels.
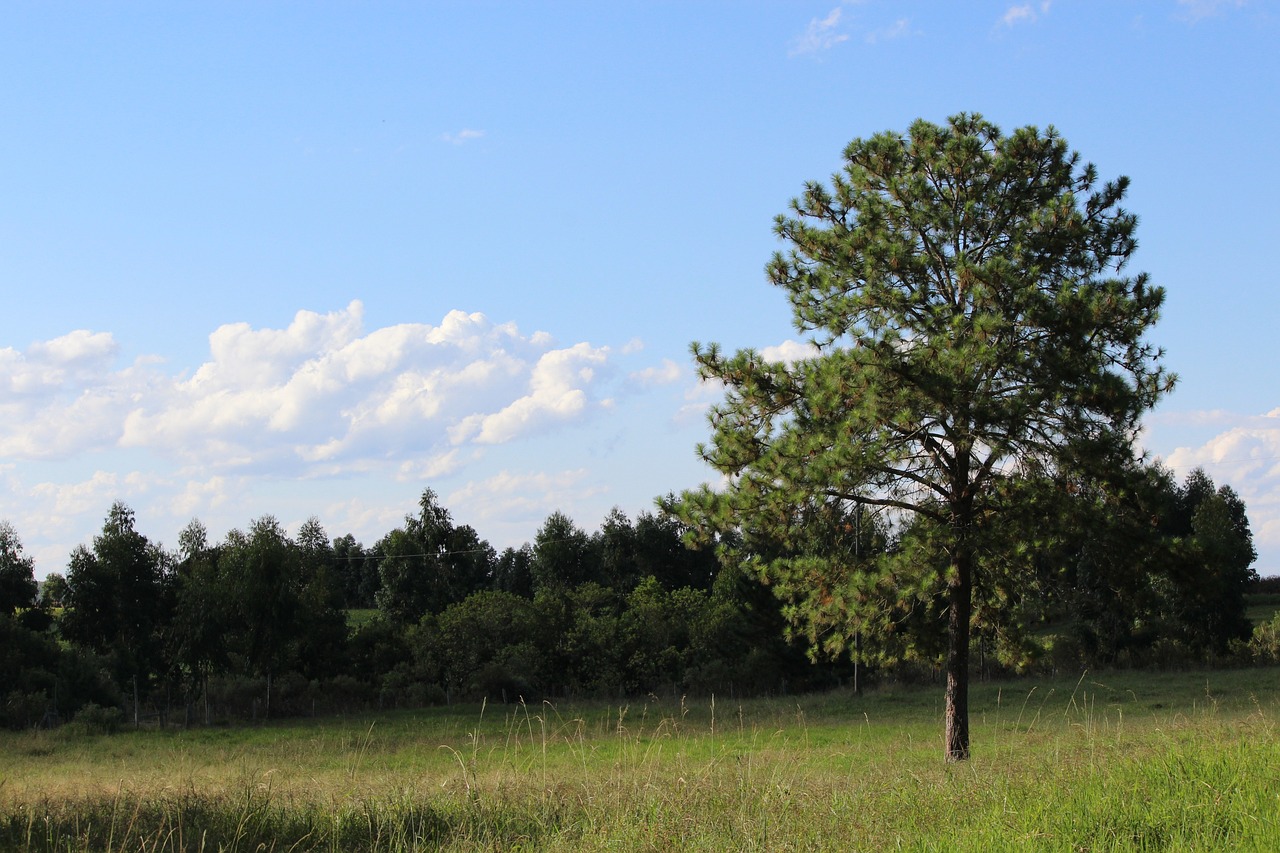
[{"x": 310, "y": 258}]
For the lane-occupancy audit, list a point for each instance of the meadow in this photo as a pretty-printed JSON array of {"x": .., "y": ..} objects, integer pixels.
[{"x": 1106, "y": 761}]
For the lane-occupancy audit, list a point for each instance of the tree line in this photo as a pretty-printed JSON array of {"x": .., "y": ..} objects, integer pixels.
[{"x": 263, "y": 623}]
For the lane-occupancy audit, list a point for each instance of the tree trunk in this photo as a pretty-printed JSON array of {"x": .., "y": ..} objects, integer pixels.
[{"x": 959, "y": 609}]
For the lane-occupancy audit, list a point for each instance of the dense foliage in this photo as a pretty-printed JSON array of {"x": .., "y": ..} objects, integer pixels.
[{"x": 263, "y": 623}]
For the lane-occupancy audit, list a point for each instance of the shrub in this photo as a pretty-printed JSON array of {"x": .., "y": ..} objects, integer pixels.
[
  {"x": 1264, "y": 645},
  {"x": 93, "y": 719},
  {"x": 23, "y": 709}
]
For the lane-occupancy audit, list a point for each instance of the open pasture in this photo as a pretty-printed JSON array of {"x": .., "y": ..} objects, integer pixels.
[{"x": 1112, "y": 761}]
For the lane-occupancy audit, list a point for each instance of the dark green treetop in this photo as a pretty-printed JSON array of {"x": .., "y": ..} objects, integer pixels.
[
  {"x": 17, "y": 573},
  {"x": 430, "y": 563},
  {"x": 114, "y": 600}
]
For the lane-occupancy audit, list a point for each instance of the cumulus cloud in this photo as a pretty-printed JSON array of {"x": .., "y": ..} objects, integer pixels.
[
  {"x": 665, "y": 374},
  {"x": 56, "y": 366},
  {"x": 1024, "y": 13},
  {"x": 1244, "y": 453},
  {"x": 821, "y": 34},
  {"x": 463, "y": 136},
  {"x": 64, "y": 499},
  {"x": 557, "y": 393},
  {"x": 509, "y": 497},
  {"x": 364, "y": 415},
  {"x": 432, "y": 467},
  {"x": 319, "y": 396},
  {"x": 789, "y": 352},
  {"x": 194, "y": 495}
]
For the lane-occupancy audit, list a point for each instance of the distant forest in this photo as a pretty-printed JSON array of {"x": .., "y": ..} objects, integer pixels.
[{"x": 264, "y": 624}]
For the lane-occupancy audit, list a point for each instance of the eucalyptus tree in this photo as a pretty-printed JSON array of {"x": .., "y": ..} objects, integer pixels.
[{"x": 969, "y": 323}]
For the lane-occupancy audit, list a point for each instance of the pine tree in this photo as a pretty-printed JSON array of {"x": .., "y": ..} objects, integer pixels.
[{"x": 969, "y": 324}]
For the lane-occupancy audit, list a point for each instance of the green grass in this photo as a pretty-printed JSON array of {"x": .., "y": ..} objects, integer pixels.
[
  {"x": 1261, "y": 607},
  {"x": 1117, "y": 761},
  {"x": 358, "y": 618}
]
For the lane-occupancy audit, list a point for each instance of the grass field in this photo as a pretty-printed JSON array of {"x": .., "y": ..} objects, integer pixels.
[
  {"x": 1261, "y": 607},
  {"x": 1116, "y": 761}
]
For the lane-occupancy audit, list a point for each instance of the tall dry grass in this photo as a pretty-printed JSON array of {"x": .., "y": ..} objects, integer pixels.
[{"x": 1125, "y": 761}]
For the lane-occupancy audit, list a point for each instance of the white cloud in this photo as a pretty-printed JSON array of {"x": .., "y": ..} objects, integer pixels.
[
  {"x": 54, "y": 517},
  {"x": 701, "y": 394},
  {"x": 432, "y": 467},
  {"x": 900, "y": 28},
  {"x": 64, "y": 499},
  {"x": 1247, "y": 452},
  {"x": 821, "y": 34},
  {"x": 789, "y": 352},
  {"x": 557, "y": 393},
  {"x": 463, "y": 136},
  {"x": 56, "y": 365},
  {"x": 78, "y": 347},
  {"x": 317, "y": 397},
  {"x": 1025, "y": 13},
  {"x": 197, "y": 495},
  {"x": 364, "y": 519},
  {"x": 1244, "y": 454},
  {"x": 699, "y": 397},
  {"x": 1016, "y": 14},
  {"x": 367, "y": 416},
  {"x": 508, "y": 497},
  {"x": 665, "y": 374},
  {"x": 1196, "y": 10}
]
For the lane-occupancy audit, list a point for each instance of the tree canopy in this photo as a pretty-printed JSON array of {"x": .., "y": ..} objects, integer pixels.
[{"x": 969, "y": 326}]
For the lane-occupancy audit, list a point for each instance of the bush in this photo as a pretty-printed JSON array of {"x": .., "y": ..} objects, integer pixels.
[
  {"x": 93, "y": 719},
  {"x": 1264, "y": 645},
  {"x": 422, "y": 695},
  {"x": 498, "y": 682},
  {"x": 22, "y": 710},
  {"x": 344, "y": 693}
]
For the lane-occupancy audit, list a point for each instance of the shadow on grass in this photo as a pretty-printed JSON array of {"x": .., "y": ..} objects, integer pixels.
[{"x": 259, "y": 821}]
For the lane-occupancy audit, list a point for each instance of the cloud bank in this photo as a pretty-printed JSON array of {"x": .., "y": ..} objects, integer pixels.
[
  {"x": 365, "y": 413},
  {"x": 319, "y": 396}
]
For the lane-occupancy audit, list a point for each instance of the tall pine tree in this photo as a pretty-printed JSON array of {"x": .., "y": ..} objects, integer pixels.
[{"x": 963, "y": 295}]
